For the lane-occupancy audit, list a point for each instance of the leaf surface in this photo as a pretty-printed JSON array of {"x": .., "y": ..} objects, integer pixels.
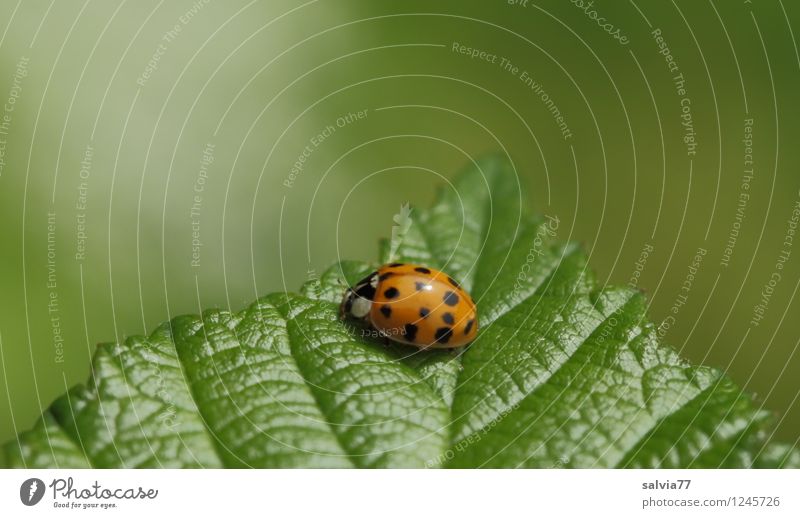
[{"x": 563, "y": 373}]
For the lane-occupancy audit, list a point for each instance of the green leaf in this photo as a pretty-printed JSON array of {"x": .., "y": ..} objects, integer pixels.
[{"x": 563, "y": 373}]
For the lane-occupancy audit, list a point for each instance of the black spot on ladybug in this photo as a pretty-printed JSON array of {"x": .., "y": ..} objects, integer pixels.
[
  {"x": 443, "y": 334},
  {"x": 391, "y": 293},
  {"x": 367, "y": 291},
  {"x": 419, "y": 286},
  {"x": 385, "y": 276},
  {"x": 468, "y": 327},
  {"x": 386, "y": 310},
  {"x": 410, "y": 332},
  {"x": 424, "y": 312},
  {"x": 453, "y": 282},
  {"x": 450, "y": 298},
  {"x": 421, "y": 269},
  {"x": 395, "y": 265},
  {"x": 448, "y": 319}
]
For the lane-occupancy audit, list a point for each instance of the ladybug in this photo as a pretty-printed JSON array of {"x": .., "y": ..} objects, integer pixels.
[{"x": 413, "y": 305}]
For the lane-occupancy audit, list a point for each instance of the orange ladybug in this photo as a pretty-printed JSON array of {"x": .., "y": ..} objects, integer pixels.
[{"x": 413, "y": 305}]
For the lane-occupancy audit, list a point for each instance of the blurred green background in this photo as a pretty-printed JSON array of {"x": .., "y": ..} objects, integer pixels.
[{"x": 134, "y": 128}]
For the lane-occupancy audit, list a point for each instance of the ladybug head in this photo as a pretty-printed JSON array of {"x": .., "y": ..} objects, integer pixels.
[{"x": 357, "y": 301}]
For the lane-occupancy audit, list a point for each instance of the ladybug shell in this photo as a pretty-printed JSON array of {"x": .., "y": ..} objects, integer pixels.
[{"x": 423, "y": 307}]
